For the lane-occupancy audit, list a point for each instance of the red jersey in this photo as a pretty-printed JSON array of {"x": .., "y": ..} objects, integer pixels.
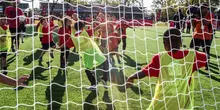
[
  {"x": 123, "y": 27},
  {"x": 44, "y": 11},
  {"x": 207, "y": 32},
  {"x": 47, "y": 35},
  {"x": 113, "y": 41},
  {"x": 67, "y": 39},
  {"x": 90, "y": 32},
  {"x": 153, "y": 69},
  {"x": 11, "y": 13},
  {"x": 52, "y": 24}
]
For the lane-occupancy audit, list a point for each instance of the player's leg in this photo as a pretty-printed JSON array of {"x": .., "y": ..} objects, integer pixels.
[
  {"x": 13, "y": 33},
  {"x": 91, "y": 77},
  {"x": 195, "y": 43},
  {"x": 3, "y": 56},
  {"x": 187, "y": 29},
  {"x": 124, "y": 44},
  {"x": 45, "y": 47},
  {"x": 117, "y": 55},
  {"x": 105, "y": 73},
  {"x": 112, "y": 60},
  {"x": 62, "y": 58},
  {"x": 17, "y": 39},
  {"x": 53, "y": 46},
  {"x": 67, "y": 54},
  {"x": 206, "y": 48},
  {"x": 22, "y": 34}
]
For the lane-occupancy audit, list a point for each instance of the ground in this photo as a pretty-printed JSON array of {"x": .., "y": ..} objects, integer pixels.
[{"x": 66, "y": 89}]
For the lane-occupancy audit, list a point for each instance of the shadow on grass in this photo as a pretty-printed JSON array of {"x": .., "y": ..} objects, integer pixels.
[
  {"x": 209, "y": 76},
  {"x": 132, "y": 63},
  {"x": 54, "y": 92},
  {"x": 88, "y": 101},
  {"x": 11, "y": 60},
  {"x": 215, "y": 56},
  {"x": 36, "y": 73},
  {"x": 29, "y": 59},
  {"x": 118, "y": 77},
  {"x": 108, "y": 101},
  {"x": 73, "y": 57},
  {"x": 213, "y": 64},
  {"x": 213, "y": 67}
]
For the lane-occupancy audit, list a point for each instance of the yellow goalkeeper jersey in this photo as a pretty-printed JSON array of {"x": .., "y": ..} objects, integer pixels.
[
  {"x": 5, "y": 39},
  {"x": 173, "y": 91}
]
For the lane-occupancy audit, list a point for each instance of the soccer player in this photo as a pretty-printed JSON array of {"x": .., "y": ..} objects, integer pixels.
[
  {"x": 74, "y": 20},
  {"x": 23, "y": 29},
  {"x": 12, "y": 82},
  {"x": 47, "y": 39},
  {"x": 91, "y": 55},
  {"x": 13, "y": 13},
  {"x": 178, "y": 19},
  {"x": 203, "y": 33},
  {"x": 4, "y": 43},
  {"x": 123, "y": 26},
  {"x": 113, "y": 42},
  {"x": 188, "y": 25},
  {"x": 65, "y": 41},
  {"x": 94, "y": 33},
  {"x": 175, "y": 71}
]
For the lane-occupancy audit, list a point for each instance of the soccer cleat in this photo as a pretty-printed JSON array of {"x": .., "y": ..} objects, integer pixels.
[
  {"x": 91, "y": 88},
  {"x": 51, "y": 55}
]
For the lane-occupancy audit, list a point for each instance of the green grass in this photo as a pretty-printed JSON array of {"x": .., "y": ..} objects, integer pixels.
[{"x": 52, "y": 86}]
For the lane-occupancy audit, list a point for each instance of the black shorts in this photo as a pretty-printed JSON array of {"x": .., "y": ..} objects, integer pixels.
[
  {"x": 196, "y": 43},
  {"x": 3, "y": 54},
  {"x": 14, "y": 30},
  {"x": 47, "y": 46}
]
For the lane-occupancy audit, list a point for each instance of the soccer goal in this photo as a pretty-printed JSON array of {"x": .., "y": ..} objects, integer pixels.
[{"x": 110, "y": 54}]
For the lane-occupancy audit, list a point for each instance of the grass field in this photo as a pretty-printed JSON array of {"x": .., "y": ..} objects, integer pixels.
[{"x": 52, "y": 87}]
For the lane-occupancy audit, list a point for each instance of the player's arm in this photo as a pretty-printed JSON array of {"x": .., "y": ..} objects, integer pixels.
[
  {"x": 151, "y": 70},
  {"x": 130, "y": 27},
  {"x": 54, "y": 27},
  {"x": 137, "y": 75},
  {"x": 201, "y": 60},
  {"x": 12, "y": 82}
]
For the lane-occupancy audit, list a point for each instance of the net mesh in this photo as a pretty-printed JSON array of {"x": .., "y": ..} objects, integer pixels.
[{"x": 52, "y": 87}]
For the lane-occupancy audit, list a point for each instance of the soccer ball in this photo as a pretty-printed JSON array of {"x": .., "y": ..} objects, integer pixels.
[{"x": 22, "y": 18}]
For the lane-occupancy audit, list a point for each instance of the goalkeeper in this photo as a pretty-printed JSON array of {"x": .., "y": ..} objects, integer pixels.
[
  {"x": 175, "y": 70},
  {"x": 90, "y": 53},
  {"x": 5, "y": 43}
]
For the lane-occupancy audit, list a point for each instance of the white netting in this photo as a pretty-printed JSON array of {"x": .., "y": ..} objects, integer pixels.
[{"x": 52, "y": 87}]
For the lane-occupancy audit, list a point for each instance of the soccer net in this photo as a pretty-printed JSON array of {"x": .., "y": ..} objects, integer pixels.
[{"x": 68, "y": 66}]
